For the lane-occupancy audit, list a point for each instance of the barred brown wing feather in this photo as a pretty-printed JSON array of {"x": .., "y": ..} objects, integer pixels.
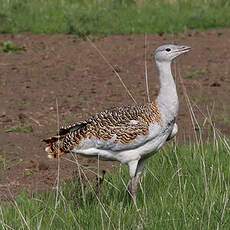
[
  {"x": 119, "y": 127},
  {"x": 119, "y": 137}
]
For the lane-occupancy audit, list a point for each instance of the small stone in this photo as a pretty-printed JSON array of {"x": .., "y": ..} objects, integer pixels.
[
  {"x": 215, "y": 84},
  {"x": 3, "y": 114}
]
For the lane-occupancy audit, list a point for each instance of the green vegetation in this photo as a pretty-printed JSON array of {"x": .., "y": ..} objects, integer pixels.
[
  {"x": 3, "y": 161},
  {"x": 196, "y": 73},
  {"x": 182, "y": 188},
  {"x": 10, "y": 47},
  {"x": 107, "y": 17},
  {"x": 20, "y": 129}
]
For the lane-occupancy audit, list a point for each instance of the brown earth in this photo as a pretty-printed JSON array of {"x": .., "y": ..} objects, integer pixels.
[{"x": 64, "y": 70}]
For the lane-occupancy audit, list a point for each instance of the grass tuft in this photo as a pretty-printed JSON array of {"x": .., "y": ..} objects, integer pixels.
[
  {"x": 20, "y": 129},
  {"x": 10, "y": 47}
]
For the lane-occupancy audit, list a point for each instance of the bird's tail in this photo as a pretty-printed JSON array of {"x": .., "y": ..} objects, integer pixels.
[{"x": 54, "y": 146}]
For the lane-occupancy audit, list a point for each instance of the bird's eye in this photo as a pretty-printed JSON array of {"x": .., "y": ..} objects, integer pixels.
[{"x": 168, "y": 49}]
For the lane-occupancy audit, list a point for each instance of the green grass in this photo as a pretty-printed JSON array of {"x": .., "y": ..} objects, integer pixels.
[
  {"x": 196, "y": 74},
  {"x": 10, "y": 47},
  {"x": 3, "y": 161},
  {"x": 20, "y": 129},
  {"x": 107, "y": 17},
  {"x": 182, "y": 188}
]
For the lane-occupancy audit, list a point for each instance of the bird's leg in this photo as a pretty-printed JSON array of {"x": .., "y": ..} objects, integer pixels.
[
  {"x": 100, "y": 180},
  {"x": 135, "y": 170},
  {"x": 132, "y": 172},
  {"x": 133, "y": 186}
]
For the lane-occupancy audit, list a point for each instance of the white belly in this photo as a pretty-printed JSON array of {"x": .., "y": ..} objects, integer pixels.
[
  {"x": 125, "y": 156},
  {"x": 152, "y": 144}
]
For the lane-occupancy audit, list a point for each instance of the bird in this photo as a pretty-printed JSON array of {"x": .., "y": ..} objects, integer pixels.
[{"x": 129, "y": 134}]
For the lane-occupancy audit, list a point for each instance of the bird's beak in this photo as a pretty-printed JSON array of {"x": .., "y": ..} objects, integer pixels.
[
  {"x": 186, "y": 48},
  {"x": 183, "y": 49}
]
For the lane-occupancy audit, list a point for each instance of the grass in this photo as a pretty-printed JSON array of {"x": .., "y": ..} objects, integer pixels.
[
  {"x": 3, "y": 161},
  {"x": 196, "y": 73},
  {"x": 185, "y": 187},
  {"x": 20, "y": 129},
  {"x": 105, "y": 17},
  {"x": 10, "y": 47}
]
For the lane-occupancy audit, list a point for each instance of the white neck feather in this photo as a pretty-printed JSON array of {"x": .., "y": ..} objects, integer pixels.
[{"x": 167, "y": 99}]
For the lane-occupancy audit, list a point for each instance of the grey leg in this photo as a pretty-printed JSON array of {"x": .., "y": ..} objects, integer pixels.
[{"x": 135, "y": 171}]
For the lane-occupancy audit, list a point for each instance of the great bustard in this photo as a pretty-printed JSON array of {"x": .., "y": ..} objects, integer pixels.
[{"x": 128, "y": 134}]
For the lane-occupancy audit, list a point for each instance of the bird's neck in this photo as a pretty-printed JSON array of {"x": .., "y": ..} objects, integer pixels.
[{"x": 167, "y": 99}]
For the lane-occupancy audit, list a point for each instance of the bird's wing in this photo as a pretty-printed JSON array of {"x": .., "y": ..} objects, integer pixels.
[
  {"x": 115, "y": 129},
  {"x": 123, "y": 136}
]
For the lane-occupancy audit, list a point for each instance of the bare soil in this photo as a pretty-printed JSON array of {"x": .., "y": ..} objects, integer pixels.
[{"x": 63, "y": 70}]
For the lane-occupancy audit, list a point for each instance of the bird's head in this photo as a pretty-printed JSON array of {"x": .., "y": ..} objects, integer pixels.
[{"x": 166, "y": 53}]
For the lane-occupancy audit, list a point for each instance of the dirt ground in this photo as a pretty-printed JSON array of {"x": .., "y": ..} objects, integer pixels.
[{"x": 63, "y": 70}]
